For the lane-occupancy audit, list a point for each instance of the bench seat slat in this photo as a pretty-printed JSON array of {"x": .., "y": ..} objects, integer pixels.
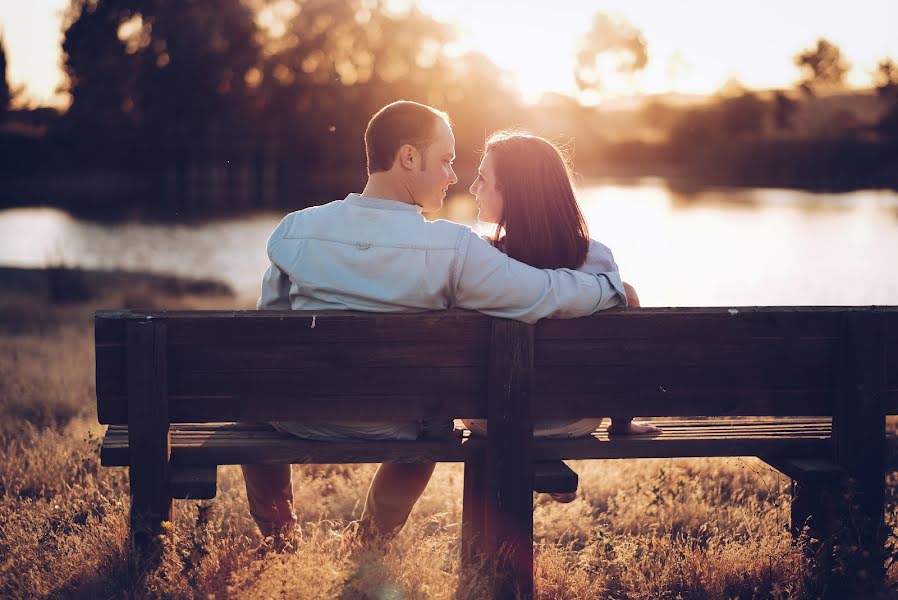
[
  {"x": 204, "y": 444},
  {"x": 223, "y": 444}
]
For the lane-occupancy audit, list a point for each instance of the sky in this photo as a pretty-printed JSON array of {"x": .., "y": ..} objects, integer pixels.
[{"x": 694, "y": 46}]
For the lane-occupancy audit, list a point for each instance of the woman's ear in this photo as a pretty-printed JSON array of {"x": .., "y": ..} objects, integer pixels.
[{"x": 409, "y": 157}]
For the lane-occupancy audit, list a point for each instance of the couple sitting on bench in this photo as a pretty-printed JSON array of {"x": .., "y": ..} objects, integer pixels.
[{"x": 375, "y": 252}]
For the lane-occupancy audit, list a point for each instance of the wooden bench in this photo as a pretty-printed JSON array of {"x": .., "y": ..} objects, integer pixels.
[{"x": 805, "y": 389}]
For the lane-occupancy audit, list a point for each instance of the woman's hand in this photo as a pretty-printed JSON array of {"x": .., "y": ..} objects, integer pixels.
[{"x": 632, "y": 298}]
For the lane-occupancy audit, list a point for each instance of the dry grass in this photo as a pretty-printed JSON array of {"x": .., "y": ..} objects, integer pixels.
[{"x": 639, "y": 529}]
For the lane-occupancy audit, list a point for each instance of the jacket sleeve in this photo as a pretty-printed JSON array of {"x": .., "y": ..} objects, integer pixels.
[
  {"x": 275, "y": 283},
  {"x": 275, "y": 290},
  {"x": 492, "y": 283}
]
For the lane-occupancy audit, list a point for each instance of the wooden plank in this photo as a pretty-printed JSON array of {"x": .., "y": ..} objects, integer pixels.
[
  {"x": 265, "y": 327},
  {"x": 198, "y": 409},
  {"x": 282, "y": 449},
  {"x": 148, "y": 436},
  {"x": 553, "y": 476},
  {"x": 231, "y": 444},
  {"x": 444, "y": 403},
  {"x": 669, "y": 402},
  {"x": 686, "y": 352},
  {"x": 813, "y": 470},
  {"x": 237, "y": 443},
  {"x": 635, "y": 447},
  {"x": 109, "y": 327},
  {"x": 111, "y": 385},
  {"x": 697, "y": 324},
  {"x": 508, "y": 525},
  {"x": 193, "y": 483},
  {"x": 715, "y": 375},
  {"x": 286, "y": 355},
  {"x": 296, "y": 384}
]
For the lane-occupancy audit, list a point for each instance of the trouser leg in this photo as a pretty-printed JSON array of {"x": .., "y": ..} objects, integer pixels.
[
  {"x": 392, "y": 495},
  {"x": 269, "y": 491}
]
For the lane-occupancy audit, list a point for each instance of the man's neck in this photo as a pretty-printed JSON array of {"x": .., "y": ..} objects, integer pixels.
[{"x": 387, "y": 186}]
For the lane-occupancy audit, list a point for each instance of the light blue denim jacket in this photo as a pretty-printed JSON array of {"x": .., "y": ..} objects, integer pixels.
[{"x": 379, "y": 255}]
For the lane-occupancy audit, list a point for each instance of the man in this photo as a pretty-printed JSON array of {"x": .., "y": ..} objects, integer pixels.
[{"x": 374, "y": 251}]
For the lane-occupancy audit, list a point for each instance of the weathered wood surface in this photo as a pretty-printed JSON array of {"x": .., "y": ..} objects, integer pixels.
[
  {"x": 246, "y": 443},
  {"x": 859, "y": 436},
  {"x": 258, "y": 365},
  {"x": 193, "y": 483},
  {"x": 508, "y": 476},
  {"x": 554, "y": 476},
  {"x": 156, "y": 368},
  {"x": 151, "y": 500},
  {"x": 212, "y": 443}
]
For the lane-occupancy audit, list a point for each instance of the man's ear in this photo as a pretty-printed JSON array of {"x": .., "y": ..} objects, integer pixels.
[{"x": 409, "y": 157}]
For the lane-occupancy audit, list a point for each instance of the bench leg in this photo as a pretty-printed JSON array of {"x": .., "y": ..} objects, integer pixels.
[
  {"x": 472, "y": 526},
  {"x": 812, "y": 507},
  {"x": 509, "y": 459},
  {"x": 859, "y": 443},
  {"x": 148, "y": 437},
  {"x": 151, "y": 506}
]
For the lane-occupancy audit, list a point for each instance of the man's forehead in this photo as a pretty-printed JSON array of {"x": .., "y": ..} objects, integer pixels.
[{"x": 445, "y": 137}]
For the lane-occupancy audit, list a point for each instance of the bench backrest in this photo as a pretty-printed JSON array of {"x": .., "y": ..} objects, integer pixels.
[{"x": 259, "y": 366}]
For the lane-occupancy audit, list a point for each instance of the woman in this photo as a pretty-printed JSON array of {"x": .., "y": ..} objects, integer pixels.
[{"x": 524, "y": 186}]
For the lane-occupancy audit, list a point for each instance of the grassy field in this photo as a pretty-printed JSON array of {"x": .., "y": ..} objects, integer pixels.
[{"x": 683, "y": 528}]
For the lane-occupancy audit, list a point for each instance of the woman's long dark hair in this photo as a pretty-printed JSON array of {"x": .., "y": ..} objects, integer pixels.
[{"x": 541, "y": 224}]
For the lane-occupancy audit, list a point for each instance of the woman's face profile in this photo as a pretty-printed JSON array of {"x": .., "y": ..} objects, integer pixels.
[{"x": 489, "y": 199}]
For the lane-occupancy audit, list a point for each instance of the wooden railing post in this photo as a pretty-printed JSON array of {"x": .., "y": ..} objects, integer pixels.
[
  {"x": 148, "y": 435},
  {"x": 508, "y": 481},
  {"x": 859, "y": 441}
]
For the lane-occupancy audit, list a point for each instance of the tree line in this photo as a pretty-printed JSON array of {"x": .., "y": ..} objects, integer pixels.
[{"x": 271, "y": 99}]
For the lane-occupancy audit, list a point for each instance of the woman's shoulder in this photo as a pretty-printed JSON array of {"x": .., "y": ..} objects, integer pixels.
[{"x": 599, "y": 259}]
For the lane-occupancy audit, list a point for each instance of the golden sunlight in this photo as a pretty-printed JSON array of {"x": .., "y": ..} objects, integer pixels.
[{"x": 693, "y": 48}]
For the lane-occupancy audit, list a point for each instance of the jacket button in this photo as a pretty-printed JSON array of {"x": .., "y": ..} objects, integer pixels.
[{"x": 363, "y": 245}]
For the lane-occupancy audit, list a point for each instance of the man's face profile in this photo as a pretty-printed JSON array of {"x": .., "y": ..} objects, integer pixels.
[{"x": 433, "y": 174}]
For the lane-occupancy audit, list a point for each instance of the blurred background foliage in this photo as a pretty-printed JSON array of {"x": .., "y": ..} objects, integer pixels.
[{"x": 217, "y": 105}]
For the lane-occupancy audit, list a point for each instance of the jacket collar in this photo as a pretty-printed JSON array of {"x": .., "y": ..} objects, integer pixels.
[{"x": 381, "y": 203}]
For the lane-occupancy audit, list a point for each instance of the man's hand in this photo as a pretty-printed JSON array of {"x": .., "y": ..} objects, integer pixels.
[{"x": 632, "y": 298}]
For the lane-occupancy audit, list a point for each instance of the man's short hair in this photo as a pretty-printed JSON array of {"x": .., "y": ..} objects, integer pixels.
[{"x": 393, "y": 126}]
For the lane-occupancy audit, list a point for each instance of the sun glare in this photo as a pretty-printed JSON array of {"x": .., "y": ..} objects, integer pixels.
[{"x": 693, "y": 48}]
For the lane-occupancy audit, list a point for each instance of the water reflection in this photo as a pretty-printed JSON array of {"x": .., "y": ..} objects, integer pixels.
[{"x": 709, "y": 247}]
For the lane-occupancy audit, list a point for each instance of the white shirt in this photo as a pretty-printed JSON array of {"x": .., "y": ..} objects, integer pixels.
[{"x": 379, "y": 255}]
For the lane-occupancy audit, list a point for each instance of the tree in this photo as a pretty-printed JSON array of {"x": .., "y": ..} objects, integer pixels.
[
  {"x": 5, "y": 93},
  {"x": 823, "y": 67},
  {"x": 743, "y": 115},
  {"x": 784, "y": 110},
  {"x": 886, "y": 78},
  {"x": 611, "y": 46},
  {"x": 154, "y": 67},
  {"x": 886, "y": 81}
]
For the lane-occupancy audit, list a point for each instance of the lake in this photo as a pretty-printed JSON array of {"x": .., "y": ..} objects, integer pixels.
[{"x": 708, "y": 247}]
